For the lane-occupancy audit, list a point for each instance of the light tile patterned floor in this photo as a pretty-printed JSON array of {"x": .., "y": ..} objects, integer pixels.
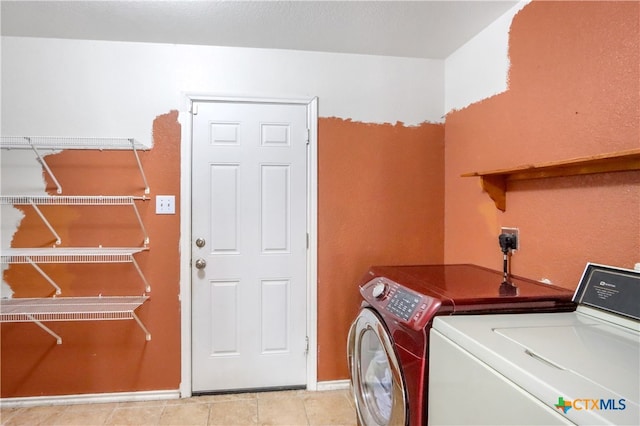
[{"x": 269, "y": 408}]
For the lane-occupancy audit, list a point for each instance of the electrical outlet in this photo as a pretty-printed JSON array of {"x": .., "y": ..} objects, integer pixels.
[
  {"x": 165, "y": 204},
  {"x": 515, "y": 232}
]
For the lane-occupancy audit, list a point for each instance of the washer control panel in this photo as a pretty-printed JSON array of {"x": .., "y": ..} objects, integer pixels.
[
  {"x": 403, "y": 303},
  {"x": 407, "y": 306}
]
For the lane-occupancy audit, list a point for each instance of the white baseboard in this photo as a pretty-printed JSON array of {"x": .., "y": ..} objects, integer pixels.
[
  {"x": 333, "y": 385},
  {"x": 95, "y": 398},
  {"x": 98, "y": 398}
]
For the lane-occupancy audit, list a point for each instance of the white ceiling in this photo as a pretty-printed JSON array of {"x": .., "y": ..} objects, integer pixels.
[{"x": 421, "y": 29}]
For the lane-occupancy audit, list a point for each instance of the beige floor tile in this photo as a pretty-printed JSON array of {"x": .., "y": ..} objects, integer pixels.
[
  {"x": 136, "y": 404},
  {"x": 185, "y": 414},
  {"x": 281, "y": 410},
  {"x": 91, "y": 407},
  {"x": 33, "y": 416},
  {"x": 281, "y": 394},
  {"x": 183, "y": 401},
  {"x": 329, "y": 408},
  {"x": 7, "y": 412},
  {"x": 139, "y": 416},
  {"x": 81, "y": 417},
  {"x": 352, "y": 403},
  {"x": 226, "y": 397},
  {"x": 292, "y": 408},
  {"x": 238, "y": 412}
]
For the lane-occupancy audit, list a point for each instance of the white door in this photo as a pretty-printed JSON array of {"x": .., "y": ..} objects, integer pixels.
[{"x": 249, "y": 245}]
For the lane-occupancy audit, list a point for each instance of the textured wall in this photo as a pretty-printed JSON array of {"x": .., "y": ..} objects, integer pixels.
[
  {"x": 479, "y": 69},
  {"x": 380, "y": 203},
  {"x": 99, "y": 88},
  {"x": 574, "y": 90},
  {"x": 102, "y": 356},
  {"x": 93, "y": 88}
]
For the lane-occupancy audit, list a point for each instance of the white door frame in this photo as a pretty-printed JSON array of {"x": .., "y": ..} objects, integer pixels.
[{"x": 185, "y": 231}]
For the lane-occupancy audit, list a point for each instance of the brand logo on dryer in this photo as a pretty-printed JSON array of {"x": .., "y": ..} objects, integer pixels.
[{"x": 590, "y": 404}]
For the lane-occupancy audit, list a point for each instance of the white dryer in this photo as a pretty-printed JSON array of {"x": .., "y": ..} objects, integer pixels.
[{"x": 579, "y": 367}]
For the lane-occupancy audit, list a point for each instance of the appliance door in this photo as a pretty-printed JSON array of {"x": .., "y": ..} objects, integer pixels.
[{"x": 376, "y": 378}]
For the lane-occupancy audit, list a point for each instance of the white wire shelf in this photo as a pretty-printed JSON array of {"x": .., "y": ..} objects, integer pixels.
[
  {"x": 75, "y": 200},
  {"x": 66, "y": 142},
  {"x": 101, "y": 308},
  {"x": 36, "y": 143},
  {"x": 35, "y": 256},
  {"x": 70, "y": 255},
  {"x": 71, "y": 200}
]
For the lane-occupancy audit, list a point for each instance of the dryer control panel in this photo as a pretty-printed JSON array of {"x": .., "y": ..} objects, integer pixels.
[{"x": 404, "y": 305}]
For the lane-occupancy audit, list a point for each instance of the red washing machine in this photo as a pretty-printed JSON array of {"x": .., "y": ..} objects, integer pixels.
[{"x": 388, "y": 342}]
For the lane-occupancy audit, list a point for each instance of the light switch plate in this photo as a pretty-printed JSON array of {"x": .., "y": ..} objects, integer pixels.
[{"x": 165, "y": 204}]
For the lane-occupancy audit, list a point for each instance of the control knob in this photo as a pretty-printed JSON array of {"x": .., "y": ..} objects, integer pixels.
[{"x": 379, "y": 290}]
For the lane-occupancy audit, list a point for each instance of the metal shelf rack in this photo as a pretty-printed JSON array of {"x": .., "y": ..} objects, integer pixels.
[
  {"x": 70, "y": 200},
  {"x": 35, "y": 256},
  {"x": 39, "y": 310},
  {"x": 45, "y": 309},
  {"x": 37, "y": 143}
]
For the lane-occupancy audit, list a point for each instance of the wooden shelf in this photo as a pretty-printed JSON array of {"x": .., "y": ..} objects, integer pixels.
[{"x": 494, "y": 182}]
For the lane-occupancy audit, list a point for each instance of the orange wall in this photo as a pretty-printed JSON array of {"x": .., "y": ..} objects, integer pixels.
[
  {"x": 102, "y": 356},
  {"x": 380, "y": 202},
  {"x": 574, "y": 90},
  {"x": 384, "y": 198}
]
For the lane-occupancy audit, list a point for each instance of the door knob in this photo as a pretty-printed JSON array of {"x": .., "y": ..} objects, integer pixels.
[
  {"x": 200, "y": 242},
  {"x": 201, "y": 263}
]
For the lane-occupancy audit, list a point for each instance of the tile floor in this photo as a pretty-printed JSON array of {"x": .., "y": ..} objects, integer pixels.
[{"x": 269, "y": 408}]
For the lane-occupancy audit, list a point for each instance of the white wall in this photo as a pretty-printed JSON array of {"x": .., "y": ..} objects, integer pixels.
[
  {"x": 53, "y": 87},
  {"x": 480, "y": 68}
]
